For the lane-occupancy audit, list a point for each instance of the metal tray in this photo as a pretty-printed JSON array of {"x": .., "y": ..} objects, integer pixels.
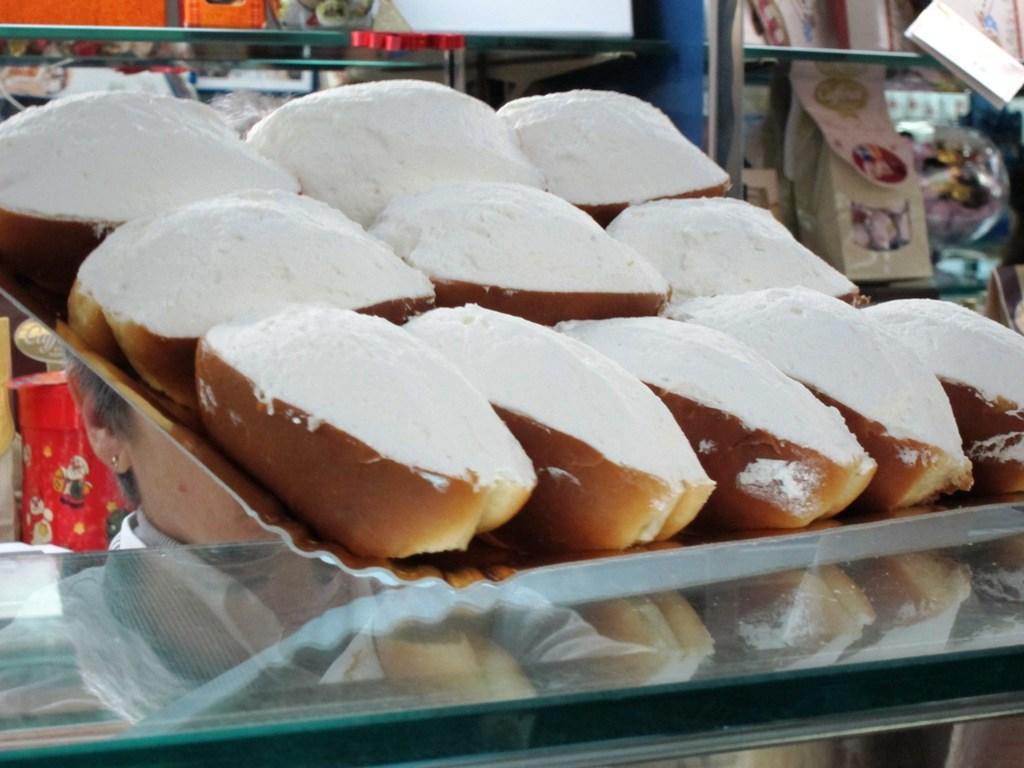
[{"x": 560, "y": 578}]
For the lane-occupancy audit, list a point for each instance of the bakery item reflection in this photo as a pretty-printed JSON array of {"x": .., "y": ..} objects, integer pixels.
[
  {"x": 156, "y": 285},
  {"x": 359, "y": 146},
  {"x": 916, "y": 597},
  {"x": 613, "y": 467},
  {"x": 711, "y": 246},
  {"x": 367, "y": 434},
  {"x": 519, "y": 250},
  {"x": 981, "y": 366},
  {"x": 997, "y": 569},
  {"x": 795, "y": 618},
  {"x": 106, "y": 165},
  {"x": 781, "y": 465},
  {"x": 889, "y": 399},
  {"x": 603, "y": 151}
]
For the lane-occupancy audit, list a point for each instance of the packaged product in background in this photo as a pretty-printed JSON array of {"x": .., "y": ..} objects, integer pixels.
[
  {"x": 69, "y": 498},
  {"x": 797, "y": 23},
  {"x": 857, "y": 199},
  {"x": 8, "y": 515},
  {"x": 761, "y": 188},
  {"x": 875, "y": 25},
  {"x": 240, "y": 14},
  {"x": 86, "y": 13},
  {"x": 1005, "y": 302},
  {"x": 881, "y": 24}
]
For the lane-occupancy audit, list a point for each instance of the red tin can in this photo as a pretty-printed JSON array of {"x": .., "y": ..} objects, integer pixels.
[{"x": 68, "y": 497}]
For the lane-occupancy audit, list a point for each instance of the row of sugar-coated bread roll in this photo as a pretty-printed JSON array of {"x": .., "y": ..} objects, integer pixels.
[
  {"x": 133, "y": 155},
  {"x": 407, "y": 212},
  {"x": 394, "y": 442},
  {"x": 402, "y": 138},
  {"x": 154, "y": 286},
  {"x": 787, "y": 481}
]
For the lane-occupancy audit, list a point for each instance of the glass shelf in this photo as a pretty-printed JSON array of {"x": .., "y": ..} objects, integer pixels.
[
  {"x": 193, "y": 655},
  {"x": 314, "y": 49},
  {"x": 894, "y": 59}
]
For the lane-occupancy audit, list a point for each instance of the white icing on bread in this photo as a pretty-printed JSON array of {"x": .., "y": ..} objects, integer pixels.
[
  {"x": 717, "y": 371},
  {"x": 598, "y": 147},
  {"x": 357, "y": 146},
  {"x": 792, "y": 485},
  {"x": 959, "y": 345},
  {"x": 182, "y": 272},
  {"x": 111, "y": 157},
  {"x": 511, "y": 236},
  {"x": 372, "y": 380},
  {"x": 563, "y": 384},
  {"x": 839, "y": 351},
  {"x": 711, "y": 246}
]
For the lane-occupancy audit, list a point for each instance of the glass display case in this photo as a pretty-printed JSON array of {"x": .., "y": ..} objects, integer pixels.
[{"x": 200, "y": 655}]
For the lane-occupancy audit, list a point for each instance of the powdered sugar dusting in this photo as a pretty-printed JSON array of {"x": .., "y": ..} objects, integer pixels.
[
  {"x": 959, "y": 345},
  {"x": 788, "y": 484},
  {"x": 565, "y": 385},
  {"x": 358, "y": 146},
  {"x": 606, "y": 147},
  {"x": 843, "y": 353},
  {"x": 1008, "y": 447},
  {"x": 227, "y": 257},
  {"x": 369, "y": 378},
  {"x": 711, "y": 246},
  {"x": 717, "y": 371},
  {"x": 127, "y": 155},
  {"x": 512, "y": 236}
]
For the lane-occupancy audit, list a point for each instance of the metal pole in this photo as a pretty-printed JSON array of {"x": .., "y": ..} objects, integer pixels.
[{"x": 725, "y": 88}]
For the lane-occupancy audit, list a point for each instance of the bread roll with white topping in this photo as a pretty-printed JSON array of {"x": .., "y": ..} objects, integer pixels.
[
  {"x": 368, "y": 435},
  {"x": 80, "y": 166},
  {"x": 156, "y": 285},
  {"x": 890, "y": 400},
  {"x": 712, "y": 246},
  {"x": 981, "y": 366},
  {"x": 613, "y": 467},
  {"x": 778, "y": 456},
  {"x": 521, "y": 251},
  {"x": 358, "y": 146},
  {"x": 603, "y": 151}
]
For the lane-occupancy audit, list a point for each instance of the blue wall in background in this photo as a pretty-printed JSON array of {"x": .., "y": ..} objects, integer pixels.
[{"x": 674, "y": 82}]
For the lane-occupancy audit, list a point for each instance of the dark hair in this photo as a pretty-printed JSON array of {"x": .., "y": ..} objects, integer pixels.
[{"x": 110, "y": 410}]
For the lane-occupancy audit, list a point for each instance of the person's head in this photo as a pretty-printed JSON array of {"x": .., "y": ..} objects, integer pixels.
[
  {"x": 110, "y": 424},
  {"x": 179, "y": 497}
]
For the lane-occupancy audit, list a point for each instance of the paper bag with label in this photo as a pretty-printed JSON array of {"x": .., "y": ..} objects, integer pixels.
[{"x": 857, "y": 199}]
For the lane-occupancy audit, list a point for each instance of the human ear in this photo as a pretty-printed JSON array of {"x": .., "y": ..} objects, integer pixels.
[{"x": 109, "y": 448}]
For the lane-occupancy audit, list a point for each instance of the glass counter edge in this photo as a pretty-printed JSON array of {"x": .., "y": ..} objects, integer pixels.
[{"x": 1009, "y": 700}]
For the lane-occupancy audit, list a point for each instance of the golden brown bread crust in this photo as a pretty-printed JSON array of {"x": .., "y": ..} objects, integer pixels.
[
  {"x": 980, "y": 420},
  {"x": 605, "y": 213},
  {"x": 343, "y": 489},
  {"x": 549, "y": 307},
  {"x": 398, "y": 310},
  {"x": 909, "y": 472},
  {"x": 87, "y": 319},
  {"x": 729, "y": 446},
  {"x": 582, "y": 500},
  {"x": 165, "y": 364},
  {"x": 47, "y": 251},
  {"x": 168, "y": 364}
]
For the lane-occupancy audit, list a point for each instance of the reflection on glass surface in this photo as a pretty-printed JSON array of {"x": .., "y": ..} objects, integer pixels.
[{"x": 149, "y": 642}]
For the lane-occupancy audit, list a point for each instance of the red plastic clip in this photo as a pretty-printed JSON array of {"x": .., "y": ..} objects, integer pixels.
[{"x": 448, "y": 42}]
